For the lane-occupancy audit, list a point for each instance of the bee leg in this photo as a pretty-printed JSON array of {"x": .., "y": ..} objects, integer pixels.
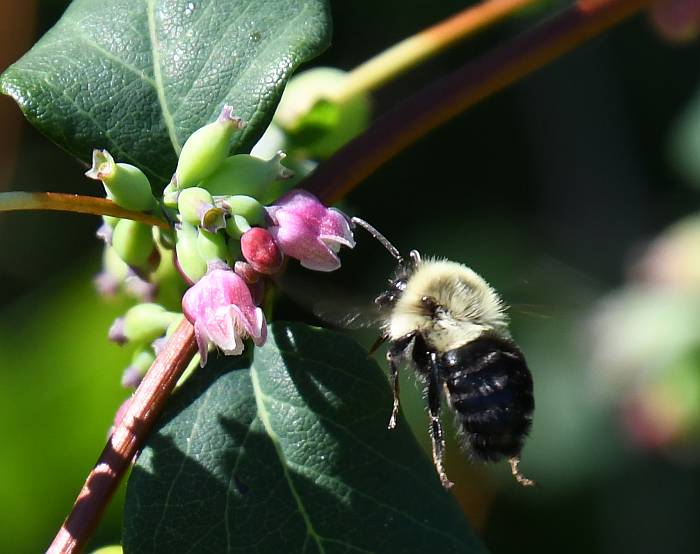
[
  {"x": 395, "y": 389},
  {"x": 396, "y": 353},
  {"x": 381, "y": 339},
  {"x": 436, "y": 432},
  {"x": 519, "y": 477}
]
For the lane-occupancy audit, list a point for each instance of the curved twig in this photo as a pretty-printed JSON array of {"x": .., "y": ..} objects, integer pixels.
[
  {"x": 453, "y": 94},
  {"x": 56, "y": 201}
]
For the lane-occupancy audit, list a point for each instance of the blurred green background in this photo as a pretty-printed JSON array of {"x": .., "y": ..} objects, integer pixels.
[{"x": 551, "y": 190}]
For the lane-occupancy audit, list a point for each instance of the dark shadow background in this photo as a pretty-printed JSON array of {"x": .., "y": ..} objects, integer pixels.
[{"x": 547, "y": 189}]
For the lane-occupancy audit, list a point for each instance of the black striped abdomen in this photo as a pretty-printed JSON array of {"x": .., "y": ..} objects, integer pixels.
[{"x": 490, "y": 390}]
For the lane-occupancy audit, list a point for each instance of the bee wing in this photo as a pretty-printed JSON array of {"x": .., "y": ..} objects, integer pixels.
[
  {"x": 328, "y": 301},
  {"x": 352, "y": 316},
  {"x": 549, "y": 288}
]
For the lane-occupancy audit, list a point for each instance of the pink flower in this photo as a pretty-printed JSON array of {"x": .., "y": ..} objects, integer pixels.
[
  {"x": 223, "y": 313},
  {"x": 307, "y": 230}
]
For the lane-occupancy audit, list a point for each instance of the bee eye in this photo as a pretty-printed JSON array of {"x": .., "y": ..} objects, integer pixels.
[
  {"x": 430, "y": 304},
  {"x": 400, "y": 284}
]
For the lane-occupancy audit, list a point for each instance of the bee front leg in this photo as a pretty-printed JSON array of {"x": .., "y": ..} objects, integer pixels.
[{"x": 436, "y": 432}]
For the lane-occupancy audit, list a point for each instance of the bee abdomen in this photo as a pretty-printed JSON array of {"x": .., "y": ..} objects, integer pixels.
[{"x": 490, "y": 390}]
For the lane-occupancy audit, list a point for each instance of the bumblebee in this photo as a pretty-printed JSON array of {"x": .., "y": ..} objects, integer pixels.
[{"x": 447, "y": 323}]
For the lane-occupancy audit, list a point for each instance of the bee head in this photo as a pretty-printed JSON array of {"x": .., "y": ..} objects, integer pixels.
[{"x": 397, "y": 284}]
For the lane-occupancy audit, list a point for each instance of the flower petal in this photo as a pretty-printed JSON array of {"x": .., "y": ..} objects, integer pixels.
[
  {"x": 202, "y": 338},
  {"x": 336, "y": 227},
  {"x": 224, "y": 330}
]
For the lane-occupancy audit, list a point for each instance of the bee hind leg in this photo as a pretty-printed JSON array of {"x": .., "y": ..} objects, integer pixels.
[
  {"x": 519, "y": 477},
  {"x": 394, "y": 366},
  {"x": 436, "y": 432},
  {"x": 397, "y": 352}
]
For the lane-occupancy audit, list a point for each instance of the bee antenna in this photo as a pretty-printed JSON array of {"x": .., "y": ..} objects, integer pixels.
[{"x": 381, "y": 238}]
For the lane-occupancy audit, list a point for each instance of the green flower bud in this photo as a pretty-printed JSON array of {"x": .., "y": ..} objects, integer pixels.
[
  {"x": 247, "y": 175},
  {"x": 246, "y": 206},
  {"x": 160, "y": 343},
  {"x": 125, "y": 184},
  {"x": 171, "y": 194},
  {"x": 114, "y": 272},
  {"x": 171, "y": 328},
  {"x": 142, "y": 324},
  {"x": 141, "y": 361},
  {"x": 272, "y": 141},
  {"x": 206, "y": 148},
  {"x": 114, "y": 265},
  {"x": 196, "y": 207},
  {"x": 236, "y": 225},
  {"x": 167, "y": 238},
  {"x": 110, "y": 220},
  {"x": 146, "y": 322},
  {"x": 212, "y": 246},
  {"x": 190, "y": 263},
  {"x": 234, "y": 250},
  {"x": 133, "y": 242},
  {"x": 316, "y": 117}
]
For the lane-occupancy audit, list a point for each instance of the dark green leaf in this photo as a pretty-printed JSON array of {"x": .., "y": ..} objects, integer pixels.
[
  {"x": 139, "y": 76},
  {"x": 289, "y": 453}
]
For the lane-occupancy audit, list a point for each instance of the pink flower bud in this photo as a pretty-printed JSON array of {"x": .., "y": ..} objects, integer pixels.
[
  {"x": 106, "y": 284},
  {"x": 221, "y": 308},
  {"x": 246, "y": 271},
  {"x": 307, "y": 230},
  {"x": 140, "y": 288},
  {"x": 261, "y": 251},
  {"x": 105, "y": 233}
]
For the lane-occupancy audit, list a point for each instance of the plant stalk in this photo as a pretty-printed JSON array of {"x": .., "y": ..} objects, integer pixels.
[
  {"x": 125, "y": 441},
  {"x": 423, "y": 45},
  {"x": 447, "y": 98},
  {"x": 56, "y": 201}
]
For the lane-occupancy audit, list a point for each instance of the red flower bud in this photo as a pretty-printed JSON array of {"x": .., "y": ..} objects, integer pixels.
[{"x": 261, "y": 251}]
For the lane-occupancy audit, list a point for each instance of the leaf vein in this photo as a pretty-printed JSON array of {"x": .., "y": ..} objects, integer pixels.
[
  {"x": 212, "y": 51},
  {"x": 158, "y": 76},
  {"x": 186, "y": 456},
  {"x": 309, "y": 472},
  {"x": 354, "y": 437},
  {"x": 87, "y": 39},
  {"x": 234, "y": 84},
  {"x": 119, "y": 153},
  {"x": 230, "y": 479},
  {"x": 264, "y": 416}
]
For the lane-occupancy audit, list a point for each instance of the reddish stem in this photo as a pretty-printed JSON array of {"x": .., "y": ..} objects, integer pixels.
[
  {"x": 146, "y": 404},
  {"x": 440, "y": 102},
  {"x": 76, "y": 203}
]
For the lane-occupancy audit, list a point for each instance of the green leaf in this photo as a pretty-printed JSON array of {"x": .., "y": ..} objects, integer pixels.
[
  {"x": 137, "y": 77},
  {"x": 289, "y": 453}
]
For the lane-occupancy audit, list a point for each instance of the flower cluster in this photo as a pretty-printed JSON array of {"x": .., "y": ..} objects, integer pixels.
[
  {"x": 234, "y": 221},
  {"x": 643, "y": 344}
]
